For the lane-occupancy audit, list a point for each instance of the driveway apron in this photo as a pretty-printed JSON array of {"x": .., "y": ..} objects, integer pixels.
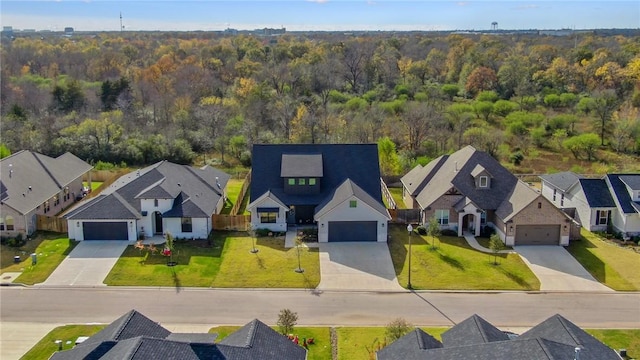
[
  {"x": 88, "y": 264},
  {"x": 557, "y": 270},
  {"x": 357, "y": 266}
]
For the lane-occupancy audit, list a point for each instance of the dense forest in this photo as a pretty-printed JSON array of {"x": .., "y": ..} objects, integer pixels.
[{"x": 141, "y": 97}]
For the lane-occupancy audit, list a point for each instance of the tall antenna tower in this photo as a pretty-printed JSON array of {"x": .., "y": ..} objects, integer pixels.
[{"x": 121, "y": 26}]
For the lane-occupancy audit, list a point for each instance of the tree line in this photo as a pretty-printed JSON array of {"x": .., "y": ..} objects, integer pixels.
[{"x": 142, "y": 97}]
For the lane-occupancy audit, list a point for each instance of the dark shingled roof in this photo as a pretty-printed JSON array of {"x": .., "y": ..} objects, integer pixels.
[
  {"x": 301, "y": 165},
  {"x": 45, "y": 175},
  {"x": 195, "y": 191},
  {"x": 358, "y": 162},
  {"x": 621, "y": 193},
  {"x": 129, "y": 325},
  {"x": 475, "y": 339},
  {"x": 258, "y": 341},
  {"x": 410, "y": 346},
  {"x": 597, "y": 193},
  {"x": 562, "y": 180}
]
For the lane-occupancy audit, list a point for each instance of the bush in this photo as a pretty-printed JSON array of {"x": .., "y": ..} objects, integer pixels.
[
  {"x": 397, "y": 329},
  {"x": 486, "y": 231},
  {"x": 448, "y": 232},
  {"x": 421, "y": 230},
  {"x": 262, "y": 232}
]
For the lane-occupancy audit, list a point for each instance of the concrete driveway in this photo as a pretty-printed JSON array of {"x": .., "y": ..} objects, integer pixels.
[
  {"x": 357, "y": 266},
  {"x": 88, "y": 264},
  {"x": 557, "y": 270}
]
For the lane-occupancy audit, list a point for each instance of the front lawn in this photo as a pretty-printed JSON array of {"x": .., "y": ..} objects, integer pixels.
[
  {"x": 226, "y": 262},
  {"x": 232, "y": 191},
  {"x": 360, "y": 343},
  {"x": 50, "y": 249},
  {"x": 620, "y": 339},
  {"x": 319, "y": 350},
  {"x": 613, "y": 266},
  {"x": 45, "y": 348},
  {"x": 396, "y": 194},
  {"x": 454, "y": 265},
  {"x": 271, "y": 267}
]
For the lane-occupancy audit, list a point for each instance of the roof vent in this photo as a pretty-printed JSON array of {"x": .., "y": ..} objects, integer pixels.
[
  {"x": 218, "y": 182},
  {"x": 30, "y": 188},
  {"x": 456, "y": 169},
  {"x": 179, "y": 184},
  {"x": 577, "y": 356}
]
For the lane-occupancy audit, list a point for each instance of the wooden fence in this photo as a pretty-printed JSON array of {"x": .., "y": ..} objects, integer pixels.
[
  {"x": 231, "y": 222},
  {"x": 242, "y": 194},
  {"x": 405, "y": 216},
  {"x": 391, "y": 204},
  {"x": 51, "y": 223}
]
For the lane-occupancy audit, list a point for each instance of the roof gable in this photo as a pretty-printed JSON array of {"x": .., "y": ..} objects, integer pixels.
[
  {"x": 521, "y": 196},
  {"x": 473, "y": 330},
  {"x": 562, "y": 180},
  {"x": 256, "y": 340},
  {"x": 344, "y": 192},
  {"x": 94, "y": 208},
  {"x": 620, "y": 192},
  {"x": 129, "y": 325}
]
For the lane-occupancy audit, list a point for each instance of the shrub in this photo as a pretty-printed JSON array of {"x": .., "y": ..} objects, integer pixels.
[
  {"x": 287, "y": 319},
  {"x": 516, "y": 158},
  {"x": 397, "y": 328},
  {"x": 448, "y": 232},
  {"x": 262, "y": 232},
  {"x": 421, "y": 230}
]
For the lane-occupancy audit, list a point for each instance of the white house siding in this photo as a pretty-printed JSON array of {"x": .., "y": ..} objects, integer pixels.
[
  {"x": 633, "y": 224},
  {"x": 200, "y": 227},
  {"x": 281, "y": 221},
  {"x": 145, "y": 225},
  {"x": 75, "y": 228},
  {"x": 362, "y": 212},
  {"x": 547, "y": 191}
]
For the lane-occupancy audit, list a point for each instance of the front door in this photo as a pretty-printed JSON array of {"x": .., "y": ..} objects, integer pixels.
[{"x": 158, "y": 223}]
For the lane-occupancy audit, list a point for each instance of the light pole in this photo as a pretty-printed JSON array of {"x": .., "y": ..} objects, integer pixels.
[
  {"x": 409, "y": 230},
  {"x": 253, "y": 235},
  {"x": 299, "y": 270}
]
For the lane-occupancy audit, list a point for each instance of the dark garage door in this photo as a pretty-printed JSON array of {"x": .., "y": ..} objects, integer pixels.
[
  {"x": 353, "y": 231},
  {"x": 537, "y": 235},
  {"x": 105, "y": 231}
]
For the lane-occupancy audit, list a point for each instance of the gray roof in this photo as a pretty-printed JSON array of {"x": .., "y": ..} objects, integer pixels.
[
  {"x": 632, "y": 181},
  {"x": 409, "y": 346},
  {"x": 562, "y": 180},
  {"x": 597, "y": 193},
  {"x": 473, "y": 330},
  {"x": 345, "y": 191},
  {"x": 519, "y": 198},
  {"x": 136, "y": 337},
  {"x": 455, "y": 171},
  {"x": 28, "y": 179},
  {"x": 301, "y": 165},
  {"x": 620, "y": 192},
  {"x": 475, "y": 339},
  {"x": 195, "y": 192}
]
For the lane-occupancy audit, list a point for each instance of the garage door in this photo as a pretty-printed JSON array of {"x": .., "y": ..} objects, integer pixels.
[
  {"x": 353, "y": 231},
  {"x": 105, "y": 231},
  {"x": 537, "y": 235}
]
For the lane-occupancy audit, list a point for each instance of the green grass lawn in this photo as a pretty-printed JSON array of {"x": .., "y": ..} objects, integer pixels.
[
  {"x": 484, "y": 242},
  {"x": 271, "y": 267},
  {"x": 226, "y": 263},
  {"x": 94, "y": 185},
  {"x": 233, "y": 191},
  {"x": 359, "y": 343},
  {"x": 50, "y": 249},
  {"x": 611, "y": 265},
  {"x": 396, "y": 194},
  {"x": 319, "y": 350},
  {"x": 620, "y": 339},
  {"x": 454, "y": 265},
  {"x": 45, "y": 348}
]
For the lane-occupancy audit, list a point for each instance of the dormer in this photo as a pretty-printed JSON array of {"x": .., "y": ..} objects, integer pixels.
[
  {"x": 482, "y": 177},
  {"x": 301, "y": 173},
  {"x": 632, "y": 184}
]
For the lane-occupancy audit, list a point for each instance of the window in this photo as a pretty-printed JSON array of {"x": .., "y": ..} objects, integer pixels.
[
  {"x": 268, "y": 217},
  {"x": 312, "y": 181},
  {"x": 539, "y": 205},
  {"x": 301, "y": 181},
  {"x": 561, "y": 199},
  {"x": 9, "y": 223},
  {"x": 56, "y": 200},
  {"x": 1, "y": 224},
  {"x": 155, "y": 202},
  {"x": 187, "y": 225},
  {"x": 292, "y": 181},
  {"x": 602, "y": 217},
  {"x": 353, "y": 203},
  {"x": 442, "y": 216},
  {"x": 66, "y": 194},
  {"x": 554, "y": 194},
  {"x": 46, "y": 206},
  {"x": 484, "y": 181},
  {"x": 483, "y": 217}
]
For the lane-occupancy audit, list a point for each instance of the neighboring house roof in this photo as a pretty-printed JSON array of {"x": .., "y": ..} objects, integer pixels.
[
  {"x": 554, "y": 339},
  {"x": 267, "y": 195},
  {"x": 597, "y": 193},
  {"x": 619, "y": 183},
  {"x": 520, "y": 197},
  {"x": 358, "y": 162},
  {"x": 474, "y": 330},
  {"x": 28, "y": 179},
  {"x": 134, "y": 336},
  {"x": 562, "y": 180},
  {"x": 410, "y": 346},
  {"x": 196, "y": 192},
  {"x": 455, "y": 171},
  {"x": 344, "y": 192}
]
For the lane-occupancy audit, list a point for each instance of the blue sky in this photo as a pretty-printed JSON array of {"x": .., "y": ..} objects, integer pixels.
[{"x": 92, "y": 15}]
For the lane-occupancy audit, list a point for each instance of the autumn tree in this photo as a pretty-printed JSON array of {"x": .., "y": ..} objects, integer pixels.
[{"x": 481, "y": 79}]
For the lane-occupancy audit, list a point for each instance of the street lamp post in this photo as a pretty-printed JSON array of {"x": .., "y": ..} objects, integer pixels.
[
  {"x": 253, "y": 241},
  {"x": 409, "y": 230}
]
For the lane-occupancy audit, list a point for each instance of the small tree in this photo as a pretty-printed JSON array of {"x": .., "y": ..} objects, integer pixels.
[
  {"x": 397, "y": 329},
  {"x": 433, "y": 230},
  {"x": 168, "y": 248},
  {"x": 287, "y": 319},
  {"x": 496, "y": 245}
]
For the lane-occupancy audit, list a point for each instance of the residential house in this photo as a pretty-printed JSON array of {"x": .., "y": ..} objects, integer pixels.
[
  {"x": 134, "y": 336},
  {"x": 336, "y": 187},
  {"x": 35, "y": 184},
  {"x": 164, "y": 197},
  {"x": 611, "y": 202},
  {"x": 474, "y": 338},
  {"x": 469, "y": 189}
]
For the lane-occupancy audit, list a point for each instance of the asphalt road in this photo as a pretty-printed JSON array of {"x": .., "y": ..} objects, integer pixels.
[{"x": 220, "y": 306}]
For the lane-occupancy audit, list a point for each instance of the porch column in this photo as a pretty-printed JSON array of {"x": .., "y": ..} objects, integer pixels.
[
  {"x": 476, "y": 219},
  {"x": 460, "y": 224}
]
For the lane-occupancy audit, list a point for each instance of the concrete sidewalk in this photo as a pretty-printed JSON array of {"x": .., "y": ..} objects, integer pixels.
[{"x": 88, "y": 264}]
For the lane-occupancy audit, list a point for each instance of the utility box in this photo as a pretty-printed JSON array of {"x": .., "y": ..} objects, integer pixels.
[
  {"x": 34, "y": 259},
  {"x": 16, "y": 259}
]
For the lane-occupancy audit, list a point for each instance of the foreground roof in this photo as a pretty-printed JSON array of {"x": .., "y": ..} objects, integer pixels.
[{"x": 619, "y": 184}]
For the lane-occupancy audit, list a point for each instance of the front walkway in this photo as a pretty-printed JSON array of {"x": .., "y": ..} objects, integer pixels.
[
  {"x": 360, "y": 266},
  {"x": 471, "y": 240},
  {"x": 88, "y": 264}
]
